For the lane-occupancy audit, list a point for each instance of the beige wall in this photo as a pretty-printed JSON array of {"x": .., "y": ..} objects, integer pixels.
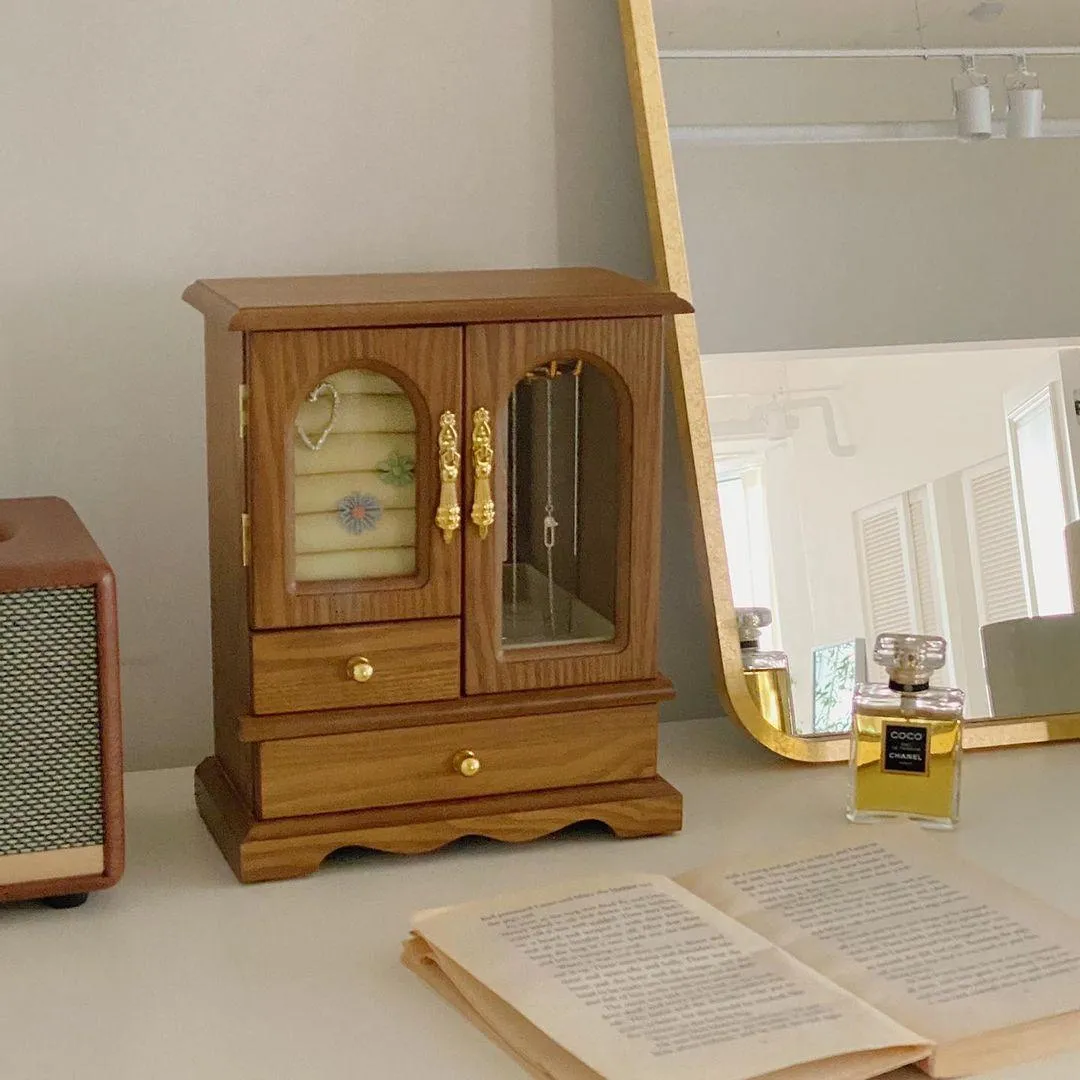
[
  {"x": 146, "y": 145},
  {"x": 819, "y": 246}
]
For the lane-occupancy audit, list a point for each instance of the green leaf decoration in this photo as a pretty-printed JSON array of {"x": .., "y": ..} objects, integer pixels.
[{"x": 396, "y": 470}]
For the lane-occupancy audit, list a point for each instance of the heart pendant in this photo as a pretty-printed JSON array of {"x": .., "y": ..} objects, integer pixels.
[{"x": 321, "y": 390}]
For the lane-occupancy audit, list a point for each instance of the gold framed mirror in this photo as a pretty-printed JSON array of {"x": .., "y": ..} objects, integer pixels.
[{"x": 856, "y": 492}]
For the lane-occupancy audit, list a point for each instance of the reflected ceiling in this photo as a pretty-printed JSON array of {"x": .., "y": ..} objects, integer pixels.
[{"x": 837, "y": 24}]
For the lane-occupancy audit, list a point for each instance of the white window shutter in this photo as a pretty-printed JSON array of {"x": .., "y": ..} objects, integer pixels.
[
  {"x": 886, "y": 565},
  {"x": 920, "y": 514},
  {"x": 1000, "y": 584}
]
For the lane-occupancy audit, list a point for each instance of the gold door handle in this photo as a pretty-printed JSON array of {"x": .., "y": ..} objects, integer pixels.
[
  {"x": 448, "y": 516},
  {"x": 360, "y": 669},
  {"x": 466, "y": 763},
  {"x": 483, "y": 507}
]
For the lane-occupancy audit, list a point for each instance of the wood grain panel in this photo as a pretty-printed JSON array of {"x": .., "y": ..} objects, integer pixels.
[
  {"x": 294, "y": 670},
  {"x": 460, "y": 296},
  {"x": 227, "y": 491},
  {"x": 292, "y": 847},
  {"x": 630, "y": 353},
  {"x": 284, "y": 367},
  {"x": 386, "y": 768},
  {"x": 474, "y": 707}
]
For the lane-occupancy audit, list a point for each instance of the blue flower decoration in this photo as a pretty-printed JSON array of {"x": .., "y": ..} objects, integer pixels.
[{"x": 359, "y": 512}]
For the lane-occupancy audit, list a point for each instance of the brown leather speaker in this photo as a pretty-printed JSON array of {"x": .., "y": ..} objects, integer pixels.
[{"x": 61, "y": 759}]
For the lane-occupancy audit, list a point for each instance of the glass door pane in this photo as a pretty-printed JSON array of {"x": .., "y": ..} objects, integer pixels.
[
  {"x": 562, "y": 496},
  {"x": 354, "y": 484},
  {"x": 562, "y": 459}
]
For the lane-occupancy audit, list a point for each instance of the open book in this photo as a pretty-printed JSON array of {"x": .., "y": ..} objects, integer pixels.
[{"x": 839, "y": 962}]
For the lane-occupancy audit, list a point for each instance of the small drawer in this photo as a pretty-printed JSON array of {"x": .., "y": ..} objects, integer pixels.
[
  {"x": 349, "y": 666},
  {"x": 322, "y": 774}
]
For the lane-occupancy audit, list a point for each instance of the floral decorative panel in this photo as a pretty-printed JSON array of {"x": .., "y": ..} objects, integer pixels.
[{"x": 354, "y": 485}]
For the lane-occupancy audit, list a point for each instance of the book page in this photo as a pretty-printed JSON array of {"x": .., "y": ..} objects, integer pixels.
[
  {"x": 637, "y": 978},
  {"x": 896, "y": 918}
]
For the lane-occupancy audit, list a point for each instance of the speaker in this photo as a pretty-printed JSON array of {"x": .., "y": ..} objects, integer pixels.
[{"x": 61, "y": 757}]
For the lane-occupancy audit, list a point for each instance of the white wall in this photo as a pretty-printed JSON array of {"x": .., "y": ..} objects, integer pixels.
[{"x": 148, "y": 144}]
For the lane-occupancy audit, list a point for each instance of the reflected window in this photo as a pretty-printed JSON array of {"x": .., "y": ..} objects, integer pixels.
[
  {"x": 562, "y": 471},
  {"x": 1041, "y": 496},
  {"x": 744, "y": 516},
  {"x": 354, "y": 484}
]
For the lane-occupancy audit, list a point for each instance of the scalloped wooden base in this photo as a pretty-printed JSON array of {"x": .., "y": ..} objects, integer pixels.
[{"x": 293, "y": 847}]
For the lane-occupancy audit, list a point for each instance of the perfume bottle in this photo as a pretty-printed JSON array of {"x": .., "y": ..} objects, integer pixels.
[
  {"x": 905, "y": 737},
  {"x": 767, "y": 676}
]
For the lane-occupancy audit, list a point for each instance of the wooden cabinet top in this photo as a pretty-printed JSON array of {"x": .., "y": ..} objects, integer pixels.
[{"x": 468, "y": 296}]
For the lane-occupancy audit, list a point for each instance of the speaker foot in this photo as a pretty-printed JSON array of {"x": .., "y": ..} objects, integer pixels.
[{"x": 70, "y": 900}]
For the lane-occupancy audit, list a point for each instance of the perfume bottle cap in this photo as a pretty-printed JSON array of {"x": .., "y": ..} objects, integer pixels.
[
  {"x": 909, "y": 658},
  {"x": 751, "y": 621}
]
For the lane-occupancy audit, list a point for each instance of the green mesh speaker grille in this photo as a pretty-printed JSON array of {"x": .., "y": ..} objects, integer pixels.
[{"x": 50, "y": 739}]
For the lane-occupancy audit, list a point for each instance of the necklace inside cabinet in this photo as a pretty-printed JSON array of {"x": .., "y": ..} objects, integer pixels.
[{"x": 434, "y": 544}]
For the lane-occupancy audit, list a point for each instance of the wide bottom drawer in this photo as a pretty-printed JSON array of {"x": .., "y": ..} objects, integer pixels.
[{"x": 327, "y": 773}]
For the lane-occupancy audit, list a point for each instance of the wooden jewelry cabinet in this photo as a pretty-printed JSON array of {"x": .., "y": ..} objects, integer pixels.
[{"x": 434, "y": 534}]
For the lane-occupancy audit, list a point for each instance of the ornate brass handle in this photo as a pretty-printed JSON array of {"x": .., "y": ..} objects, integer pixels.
[
  {"x": 466, "y": 763},
  {"x": 483, "y": 507},
  {"x": 360, "y": 668},
  {"x": 448, "y": 516}
]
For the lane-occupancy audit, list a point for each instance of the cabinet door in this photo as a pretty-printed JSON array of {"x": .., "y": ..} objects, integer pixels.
[
  {"x": 344, "y": 467},
  {"x": 562, "y": 558}
]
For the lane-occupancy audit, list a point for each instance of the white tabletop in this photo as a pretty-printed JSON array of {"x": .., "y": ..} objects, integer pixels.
[{"x": 180, "y": 972}]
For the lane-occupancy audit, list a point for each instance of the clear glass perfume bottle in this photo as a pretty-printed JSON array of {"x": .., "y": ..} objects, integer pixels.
[
  {"x": 767, "y": 675},
  {"x": 905, "y": 737}
]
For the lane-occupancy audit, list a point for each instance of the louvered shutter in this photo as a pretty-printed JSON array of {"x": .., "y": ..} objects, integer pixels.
[
  {"x": 1000, "y": 588},
  {"x": 922, "y": 550},
  {"x": 889, "y": 599}
]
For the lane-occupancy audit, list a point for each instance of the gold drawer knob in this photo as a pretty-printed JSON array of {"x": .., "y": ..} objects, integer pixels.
[
  {"x": 360, "y": 669},
  {"x": 466, "y": 763}
]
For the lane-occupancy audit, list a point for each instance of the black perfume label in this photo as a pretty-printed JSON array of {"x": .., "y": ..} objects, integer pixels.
[{"x": 905, "y": 748}]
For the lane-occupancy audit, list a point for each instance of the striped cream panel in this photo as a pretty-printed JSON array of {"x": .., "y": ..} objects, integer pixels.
[
  {"x": 313, "y": 494},
  {"x": 355, "y": 496},
  {"x": 352, "y": 453},
  {"x": 360, "y": 412},
  {"x": 355, "y": 381},
  {"x": 339, "y": 565},
  {"x": 324, "y": 532}
]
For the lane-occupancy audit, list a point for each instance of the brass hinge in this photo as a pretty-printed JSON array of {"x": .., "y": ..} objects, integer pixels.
[
  {"x": 245, "y": 539},
  {"x": 242, "y": 404}
]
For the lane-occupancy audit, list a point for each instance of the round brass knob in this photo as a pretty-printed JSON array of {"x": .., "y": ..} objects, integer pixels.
[
  {"x": 360, "y": 669},
  {"x": 466, "y": 763}
]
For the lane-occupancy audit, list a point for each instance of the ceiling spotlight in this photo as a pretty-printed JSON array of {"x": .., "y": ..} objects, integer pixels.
[
  {"x": 1026, "y": 103},
  {"x": 971, "y": 97}
]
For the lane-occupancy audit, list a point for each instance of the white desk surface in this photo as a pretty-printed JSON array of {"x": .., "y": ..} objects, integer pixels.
[{"x": 180, "y": 973}]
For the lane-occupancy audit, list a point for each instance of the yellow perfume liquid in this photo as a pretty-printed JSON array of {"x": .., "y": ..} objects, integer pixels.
[
  {"x": 771, "y": 690},
  {"x": 767, "y": 675},
  {"x": 906, "y": 738}
]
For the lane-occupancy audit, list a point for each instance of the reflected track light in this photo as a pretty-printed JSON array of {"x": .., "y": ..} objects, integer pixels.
[
  {"x": 971, "y": 98},
  {"x": 1026, "y": 104}
]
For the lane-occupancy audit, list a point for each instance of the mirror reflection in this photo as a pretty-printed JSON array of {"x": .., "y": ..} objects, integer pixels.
[{"x": 914, "y": 491}]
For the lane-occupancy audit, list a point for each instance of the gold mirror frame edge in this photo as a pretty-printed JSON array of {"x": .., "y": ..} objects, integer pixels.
[{"x": 684, "y": 367}]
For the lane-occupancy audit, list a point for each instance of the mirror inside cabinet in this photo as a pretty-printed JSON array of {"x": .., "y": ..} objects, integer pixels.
[{"x": 562, "y": 532}]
